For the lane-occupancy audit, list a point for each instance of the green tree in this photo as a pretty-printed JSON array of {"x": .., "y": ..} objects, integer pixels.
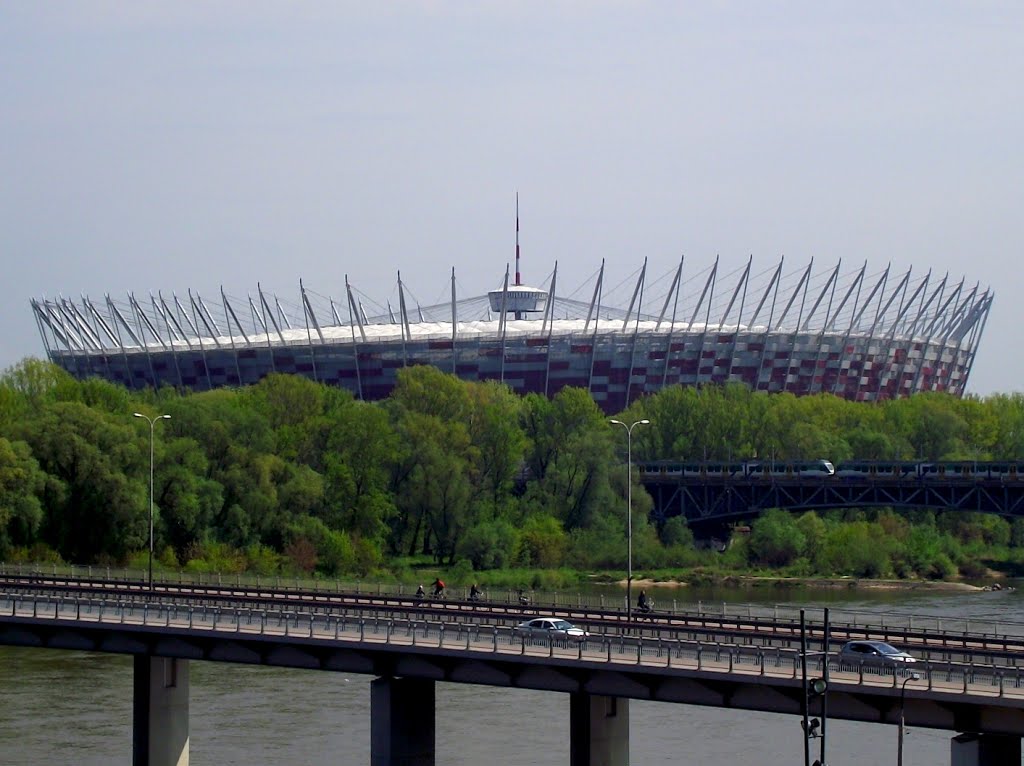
[
  {"x": 188, "y": 500},
  {"x": 21, "y": 484},
  {"x": 428, "y": 391},
  {"x": 38, "y": 383},
  {"x": 432, "y": 490},
  {"x": 859, "y": 548},
  {"x": 293, "y": 407},
  {"x": 776, "y": 539},
  {"x": 92, "y": 509},
  {"x": 490, "y": 544},
  {"x": 361, "y": 448},
  {"x": 495, "y": 431},
  {"x": 542, "y": 542}
]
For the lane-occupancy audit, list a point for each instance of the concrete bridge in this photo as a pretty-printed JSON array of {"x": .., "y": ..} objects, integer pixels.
[{"x": 977, "y": 693}]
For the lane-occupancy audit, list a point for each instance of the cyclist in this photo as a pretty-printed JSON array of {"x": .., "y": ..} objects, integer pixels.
[{"x": 643, "y": 603}]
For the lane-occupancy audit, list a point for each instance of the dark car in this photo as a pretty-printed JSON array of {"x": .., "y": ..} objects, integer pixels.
[{"x": 873, "y": 653}]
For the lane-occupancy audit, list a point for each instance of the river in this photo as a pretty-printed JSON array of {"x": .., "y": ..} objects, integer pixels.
[{"x": 74, "y": 708}]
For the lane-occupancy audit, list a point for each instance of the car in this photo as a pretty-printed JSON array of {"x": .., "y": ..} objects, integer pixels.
[
  {"x": 874, "y": 653},
  {"x": 551, "y": 628}
]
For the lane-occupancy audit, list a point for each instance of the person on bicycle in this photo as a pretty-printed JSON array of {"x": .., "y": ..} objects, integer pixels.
[
  {"x": 642, "y": 602},
  {"x": 420, "y": 593},
  {"x": 438, "y": 587},
  {"x": 475, "y": 593}
]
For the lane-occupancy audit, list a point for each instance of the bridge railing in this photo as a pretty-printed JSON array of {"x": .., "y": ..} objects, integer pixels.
[
  {"x": 851, "y": 623},
  {"x": 610, "y": 646}
]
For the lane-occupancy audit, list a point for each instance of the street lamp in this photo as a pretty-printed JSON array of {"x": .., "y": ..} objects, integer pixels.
[
  {"x": 152, "y": 426},
  {"x": 629, "y": 509},
  {"x": 903, "y": 692}
]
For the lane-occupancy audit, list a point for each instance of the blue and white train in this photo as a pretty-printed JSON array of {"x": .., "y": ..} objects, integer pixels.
[{"x": 1003, "y": 471}]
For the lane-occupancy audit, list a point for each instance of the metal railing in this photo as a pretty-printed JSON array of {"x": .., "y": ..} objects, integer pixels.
[
  {"x": 475, "y": 637},
  {"x": 884, "y": 620}
]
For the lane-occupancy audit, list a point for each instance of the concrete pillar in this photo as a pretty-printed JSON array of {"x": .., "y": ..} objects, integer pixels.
[
  {"x": 598, "y": 730},
  {"x": 160, "y": 712},
  {"x": 985, "y": 750},
  {"x": 401, "y": 722}
]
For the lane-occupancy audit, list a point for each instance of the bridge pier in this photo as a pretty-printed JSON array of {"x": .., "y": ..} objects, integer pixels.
[
  {"x": 598, "y": 730},
  {"x": 160, "y": 712},
  {"x": 985, "y": 750},
  {"x": 401, "y": 722}
]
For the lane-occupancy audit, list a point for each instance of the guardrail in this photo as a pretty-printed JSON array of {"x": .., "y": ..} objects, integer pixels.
[
  {"x": 475, "y": 637},
  {"x": 875, "y": 619}
]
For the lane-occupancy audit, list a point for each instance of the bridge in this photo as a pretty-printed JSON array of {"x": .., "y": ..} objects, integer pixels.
[
  {"x": 969, "y": 680},
  {"x": 704, "y": 499}
]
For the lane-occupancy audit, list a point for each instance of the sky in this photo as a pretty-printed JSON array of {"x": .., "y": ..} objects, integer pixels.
[{"x": 152, "y": 146}]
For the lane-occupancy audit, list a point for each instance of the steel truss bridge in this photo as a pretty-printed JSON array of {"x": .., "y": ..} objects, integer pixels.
[{"x": 718, "y": 499}]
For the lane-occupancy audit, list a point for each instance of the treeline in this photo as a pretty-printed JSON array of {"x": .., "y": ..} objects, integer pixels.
[{"x": 292, "y": 476}]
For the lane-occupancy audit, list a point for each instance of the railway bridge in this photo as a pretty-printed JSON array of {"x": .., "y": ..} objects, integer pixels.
[{"x": 726, "y": 498}]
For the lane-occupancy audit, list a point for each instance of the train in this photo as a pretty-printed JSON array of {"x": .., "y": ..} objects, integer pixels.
[
  {"x": 741, "y": 469},
  {"x": 753, "y": 469}
]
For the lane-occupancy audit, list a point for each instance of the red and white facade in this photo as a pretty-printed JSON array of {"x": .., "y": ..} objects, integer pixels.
[{"x": 863, "y": 337}]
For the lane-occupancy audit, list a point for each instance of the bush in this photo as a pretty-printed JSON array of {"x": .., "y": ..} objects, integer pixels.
[
  {"x": 970, "y": 569},
  {"x": 490, "y": 544},
  {"x": 942, "y": 568},
  {"x": 214, "y": 557},
  {"x": 542, "y": 542},
  {"x": 367, "y": 556},
  {"x": 675, "y": 531},
  {"x": 859, "y": 549},
  {"x": 776, "y": 539},
  {"x": 40, "y": 553},
  {"x": 461, "y": 573},
  {"x": 262, "y": 560}
]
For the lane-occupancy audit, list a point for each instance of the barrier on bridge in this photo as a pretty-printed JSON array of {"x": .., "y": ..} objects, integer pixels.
[{"x": 641, "y": 647}]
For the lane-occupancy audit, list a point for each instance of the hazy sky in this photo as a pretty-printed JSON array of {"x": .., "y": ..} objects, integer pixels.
[{"x": 156, "y": 145}]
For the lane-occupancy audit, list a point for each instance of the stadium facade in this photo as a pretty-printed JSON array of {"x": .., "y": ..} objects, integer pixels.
[{"x": 860, "y": 335}]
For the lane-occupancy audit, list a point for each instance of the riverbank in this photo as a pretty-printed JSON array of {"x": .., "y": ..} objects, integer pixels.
[{"x": 836, "y": 583}]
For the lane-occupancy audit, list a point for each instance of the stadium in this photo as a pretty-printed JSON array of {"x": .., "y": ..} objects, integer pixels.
[{"x": 859, "y": 335}]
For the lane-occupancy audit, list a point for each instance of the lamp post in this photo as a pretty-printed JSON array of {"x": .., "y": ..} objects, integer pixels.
[
  {"x": 903, "y": 692},
  {"x": 152, "y": 428},
  {"x": 629, "y": 509}
]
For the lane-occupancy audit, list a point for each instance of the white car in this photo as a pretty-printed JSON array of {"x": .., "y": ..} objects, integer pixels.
[{"x": 550, "y": 627}]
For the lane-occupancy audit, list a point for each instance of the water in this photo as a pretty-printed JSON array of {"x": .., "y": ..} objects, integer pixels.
[{"x": 74, "y": 708}]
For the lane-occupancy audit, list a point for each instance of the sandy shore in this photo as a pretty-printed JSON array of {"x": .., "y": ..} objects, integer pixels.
[{"x": 811, "y": 582}]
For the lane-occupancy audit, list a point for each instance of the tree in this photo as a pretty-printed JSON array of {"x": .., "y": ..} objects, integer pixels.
[
  {"x": 929, "y": 424},
  {"x": 432, "y": 490},
  {"x": 21, "y": 484},
  {"x": 290, "y": 405},
  {"x": 188, "y": 500},
  {"x": 858, "y": 548},
  {"x": 570, "y": 455},
  {"x": 428, "y": 391},
  {"x": 542, "y": 542},
  {"x": 490, "y": 544},
  {"x": 38, "y": 382},
  {"x": 92, "y": 509},
  {"x": 495, "y": 431},
  {"x": 776, "y": 539},
  {"x": 361, "y": 448}
]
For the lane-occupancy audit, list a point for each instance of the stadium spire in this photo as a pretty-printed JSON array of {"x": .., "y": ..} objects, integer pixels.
[{"x": 518, "y": 280}]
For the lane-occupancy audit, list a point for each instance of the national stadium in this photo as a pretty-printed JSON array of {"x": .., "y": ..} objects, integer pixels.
[{"x": 861, "y": 335}]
